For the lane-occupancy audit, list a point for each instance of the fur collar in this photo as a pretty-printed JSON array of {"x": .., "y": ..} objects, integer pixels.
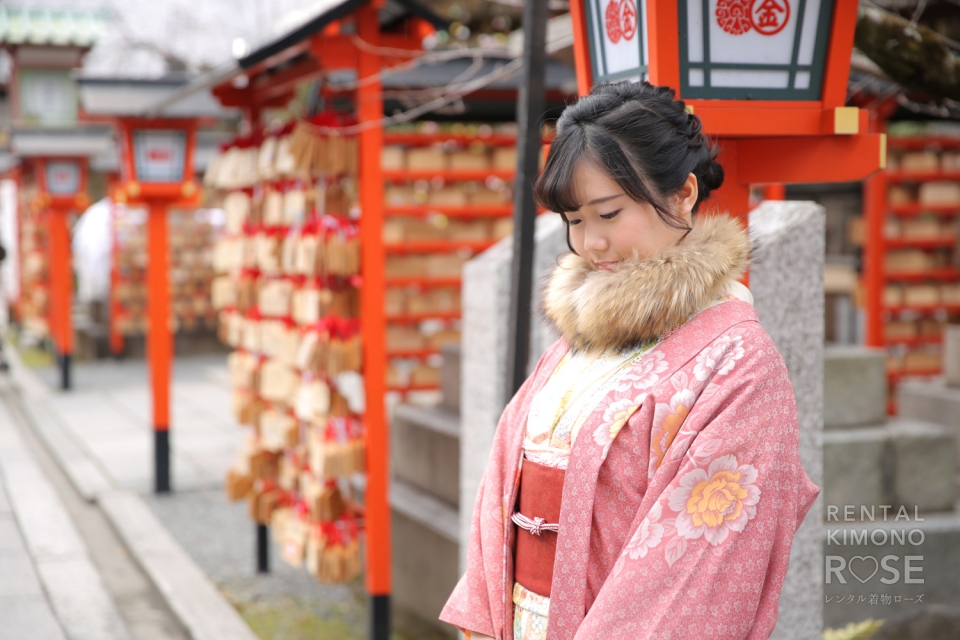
[{"x": 643, "y": 299}]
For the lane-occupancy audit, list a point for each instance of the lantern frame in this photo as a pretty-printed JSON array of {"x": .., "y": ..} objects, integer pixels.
[
  {"x": 816, "y": 68},
  {"x": 138, "y": 189},
  {"x": 77, "y": 198},
  {"x": 729, "y": 118},
  {"x": 595, "y": 42}
]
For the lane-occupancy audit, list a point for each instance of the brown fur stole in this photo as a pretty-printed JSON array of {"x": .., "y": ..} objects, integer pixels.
[{"x": 642, "y": 299}]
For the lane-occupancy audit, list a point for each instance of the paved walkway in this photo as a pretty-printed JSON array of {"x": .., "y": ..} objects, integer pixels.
[
  {"x": 49, "y": 587},
  {"x": 109, "y": 414},
  {"x": 23, "y": 605},
  {"x": 192, "y": 542}
]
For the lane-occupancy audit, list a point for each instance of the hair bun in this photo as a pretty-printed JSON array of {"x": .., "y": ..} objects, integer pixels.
[{"x": 710, "y": 177}]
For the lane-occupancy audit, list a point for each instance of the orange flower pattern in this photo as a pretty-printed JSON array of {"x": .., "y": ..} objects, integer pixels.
[
  {"x": 667, "y": 420},
  {"x": 717, "y": 501}
]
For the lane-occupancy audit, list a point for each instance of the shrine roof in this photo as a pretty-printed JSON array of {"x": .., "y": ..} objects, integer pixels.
[
  {"x": 305, "y": 24},
  {"x": 113, "y": 96},
  {"x": 56, "y": 27}
]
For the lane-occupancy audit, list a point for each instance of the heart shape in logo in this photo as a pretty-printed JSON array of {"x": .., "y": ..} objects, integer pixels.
[{"x": 876, "y": 567}]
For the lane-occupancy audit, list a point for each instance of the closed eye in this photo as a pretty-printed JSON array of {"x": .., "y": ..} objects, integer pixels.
[
  {"x": 610, "y": 216},
  {"x": 573, "y": 222}
]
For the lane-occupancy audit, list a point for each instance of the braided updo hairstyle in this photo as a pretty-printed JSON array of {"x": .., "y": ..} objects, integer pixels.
[{"x": 639, "y": 135}]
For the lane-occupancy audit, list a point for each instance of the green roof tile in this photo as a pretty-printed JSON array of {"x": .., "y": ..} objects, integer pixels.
[{"x": 52, "y": 27}]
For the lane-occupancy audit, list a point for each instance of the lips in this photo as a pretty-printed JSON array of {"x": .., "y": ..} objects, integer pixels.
[{"x": 607, "y": 266}]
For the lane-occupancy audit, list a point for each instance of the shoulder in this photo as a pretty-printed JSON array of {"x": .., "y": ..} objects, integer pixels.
[
  {"x": 746, "y": 396},
  {"x": 742, "y": 359},
  {"x": 744, "y": 342}
]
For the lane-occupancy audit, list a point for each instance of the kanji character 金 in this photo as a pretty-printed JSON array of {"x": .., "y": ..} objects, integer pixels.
[{"x": 768, "y": 14}]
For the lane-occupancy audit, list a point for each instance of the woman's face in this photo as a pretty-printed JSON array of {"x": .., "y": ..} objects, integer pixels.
[{"x": 609, "y": 226}]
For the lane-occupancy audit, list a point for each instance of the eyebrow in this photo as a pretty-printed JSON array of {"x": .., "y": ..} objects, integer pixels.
[{"x": 604, "y": 199}]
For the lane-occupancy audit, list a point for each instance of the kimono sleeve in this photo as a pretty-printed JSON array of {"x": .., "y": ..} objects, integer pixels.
[
  {"x": 711, "y": 542},
  {"x": 479, "y": 599}
]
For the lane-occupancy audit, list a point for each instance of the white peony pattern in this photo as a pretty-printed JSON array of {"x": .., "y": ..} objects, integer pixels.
[
  {"x": 647, "y": 536},
  {"x": 615, "y": 415},
  {"x": 644, "y": 374},
  {"x": 720, "y": 357}
]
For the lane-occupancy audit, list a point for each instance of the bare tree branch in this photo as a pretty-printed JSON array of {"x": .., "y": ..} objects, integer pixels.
[{"x": 914, "y": 57}]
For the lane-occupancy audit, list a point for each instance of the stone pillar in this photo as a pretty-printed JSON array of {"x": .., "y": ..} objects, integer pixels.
[
  {"x": 486, "y": 304},
  {"x": 786, "y": 278}
]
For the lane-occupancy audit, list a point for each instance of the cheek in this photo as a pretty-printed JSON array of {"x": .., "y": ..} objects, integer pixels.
[
  {"x": 630, "y": 235},
  {"x": 639, "y": 233},
  {"x": 576, "y": 238}
]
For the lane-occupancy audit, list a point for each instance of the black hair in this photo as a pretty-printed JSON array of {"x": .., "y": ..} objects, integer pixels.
[{"x": 642, "y": 137}]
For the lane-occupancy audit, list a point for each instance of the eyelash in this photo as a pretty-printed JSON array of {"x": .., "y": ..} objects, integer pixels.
[{"x": 606, "y": 216}]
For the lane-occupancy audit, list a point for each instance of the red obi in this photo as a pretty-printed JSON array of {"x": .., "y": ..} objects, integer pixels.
[{"x": 537, "y": 519}]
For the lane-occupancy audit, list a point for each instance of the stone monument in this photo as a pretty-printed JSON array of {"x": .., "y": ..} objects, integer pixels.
[
  {"x": 786, "y": 278},
  {"x": 486, "y": 303}
]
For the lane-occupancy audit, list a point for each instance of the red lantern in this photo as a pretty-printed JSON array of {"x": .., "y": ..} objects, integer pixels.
[{"x": 157, "y": 165}]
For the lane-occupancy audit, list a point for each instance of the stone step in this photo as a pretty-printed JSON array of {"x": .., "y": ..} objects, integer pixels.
[
  {"x": 425, "y": 553},
  {"x": 854, "y": 386},
  {"x": 425, "y": 450},
  {"x": 450, "y": 377},
  {"x": 903, "y": 462},
  {"x": 930, "y": 401},
  {"x": 855, "y": 467},
  {"x": 426, "y": 510}
]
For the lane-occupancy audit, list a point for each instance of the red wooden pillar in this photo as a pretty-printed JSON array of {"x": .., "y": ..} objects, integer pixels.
[
  {"x": 776, "y": 191},
  {"x": 159, "y": 338},
  {"x": 874, "y": 249},
  {"x": 581, "y": 49},
  {"x": 61, "y": 329},
  {"x": 154, "y": 177},
  {"x": 733, "y": 196},
  {"x": 62, "y": 186},
  {"x": 373, "y": 325}
]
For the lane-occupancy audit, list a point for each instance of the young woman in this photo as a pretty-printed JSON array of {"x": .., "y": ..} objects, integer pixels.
[{"x": 645, "y": 481}]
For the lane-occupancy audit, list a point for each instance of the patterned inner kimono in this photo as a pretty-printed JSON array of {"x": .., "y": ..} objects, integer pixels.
[{"x": 557, "y": 412}]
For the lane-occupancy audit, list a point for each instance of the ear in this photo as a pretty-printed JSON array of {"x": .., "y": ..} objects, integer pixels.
[{"x": 686, "y": 198}]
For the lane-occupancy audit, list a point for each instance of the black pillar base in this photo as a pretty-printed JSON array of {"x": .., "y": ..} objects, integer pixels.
[
  {"x": 379, "y": 617},
  {"x": 161, "y": 460},
  {"x": 64, "y": 359},
  {"x": 263, "y": 549}
]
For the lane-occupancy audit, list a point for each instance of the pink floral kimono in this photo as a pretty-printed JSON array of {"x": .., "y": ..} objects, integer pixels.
[{"x": 684, "y": 488}]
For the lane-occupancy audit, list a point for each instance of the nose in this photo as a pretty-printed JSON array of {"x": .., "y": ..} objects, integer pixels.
[{"x": 595, "y": 242}]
